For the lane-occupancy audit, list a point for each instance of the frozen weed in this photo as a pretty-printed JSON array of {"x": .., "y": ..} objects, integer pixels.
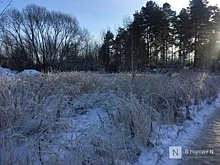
[{"x": 37, "y": 111}]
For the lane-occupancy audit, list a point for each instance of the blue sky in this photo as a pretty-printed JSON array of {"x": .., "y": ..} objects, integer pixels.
[{"x": 98, "y": 15}]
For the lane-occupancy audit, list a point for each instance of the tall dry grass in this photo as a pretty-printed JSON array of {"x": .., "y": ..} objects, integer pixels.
[{"x": 40, "y": 116}]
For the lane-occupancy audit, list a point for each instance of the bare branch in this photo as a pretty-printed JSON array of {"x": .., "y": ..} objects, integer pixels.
[{"x": 6, "y": 7}]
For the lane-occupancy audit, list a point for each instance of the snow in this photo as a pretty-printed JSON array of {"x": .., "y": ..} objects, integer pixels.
[
  {"x": 164, "y": 137},
  {"x": 172, "y": 135},
  {"x": 10, "y": 73},
  {"x": 29, "y": 72},
  {"x": 7, "y": 72},
  {"x": 169, "y": 135}
]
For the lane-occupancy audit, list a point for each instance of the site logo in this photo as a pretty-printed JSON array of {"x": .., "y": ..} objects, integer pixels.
[{"x": 175, "y": 152}]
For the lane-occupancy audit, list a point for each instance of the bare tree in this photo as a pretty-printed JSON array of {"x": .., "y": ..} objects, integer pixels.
[{"x": 44, "y": 39}]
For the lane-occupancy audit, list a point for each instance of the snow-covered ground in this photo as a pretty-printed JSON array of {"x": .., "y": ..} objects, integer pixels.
[
  {"x": 8, "y": 72},
  {"x": 166, "y": 136},
  {"x": 178, "y": 135},
  {"x": 91, "y": 116}
]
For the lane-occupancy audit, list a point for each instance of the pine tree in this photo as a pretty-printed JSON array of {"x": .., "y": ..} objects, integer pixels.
[
  {"x": 106, "y": 51},
  {"x": 167, "y": 38},
  {"x": 200, "y": 21},
  {"x": 120, "y": 49},
  {"x": 152, "y": 17},
  {"x": 138, "y": 52},
  {"x": 183, "y": 35}
]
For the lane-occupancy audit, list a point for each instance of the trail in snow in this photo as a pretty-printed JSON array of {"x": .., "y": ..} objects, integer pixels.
[
  {"x": 205, "y": 147},
  {"x": 204, "y": 124}
]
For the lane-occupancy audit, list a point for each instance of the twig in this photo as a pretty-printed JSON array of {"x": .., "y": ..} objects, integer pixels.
[{"x": 6, "y": 7}]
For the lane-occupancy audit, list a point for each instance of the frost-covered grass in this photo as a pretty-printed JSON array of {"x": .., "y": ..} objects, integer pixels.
[{"x": 88, "y": 118}]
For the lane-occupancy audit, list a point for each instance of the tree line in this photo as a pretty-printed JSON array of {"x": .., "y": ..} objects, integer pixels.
[
  {"x": 45, "y": 40},
  {"x": 158, "y": 37}
]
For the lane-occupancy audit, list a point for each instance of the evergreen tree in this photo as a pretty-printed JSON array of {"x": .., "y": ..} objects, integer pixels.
[
  {"x": 156, "y": 35},
  {"x": 106, "y": 51},
  {"x": 120, "y": 46},
  {"x": 151, "y": 22},
  {"x": 200, "y": 20},
  {"x": 138, "y": 52},
  {"x": 166, "y": 30},
  {"x": 214, "y": 38},
  {"x": 183, "y": 35}
]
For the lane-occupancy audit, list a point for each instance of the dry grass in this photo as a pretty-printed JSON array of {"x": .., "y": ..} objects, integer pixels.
[{"x": 35, "y": 113}]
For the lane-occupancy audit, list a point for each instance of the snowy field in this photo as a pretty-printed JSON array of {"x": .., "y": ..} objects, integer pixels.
[{"x": 88, "y": 118}]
